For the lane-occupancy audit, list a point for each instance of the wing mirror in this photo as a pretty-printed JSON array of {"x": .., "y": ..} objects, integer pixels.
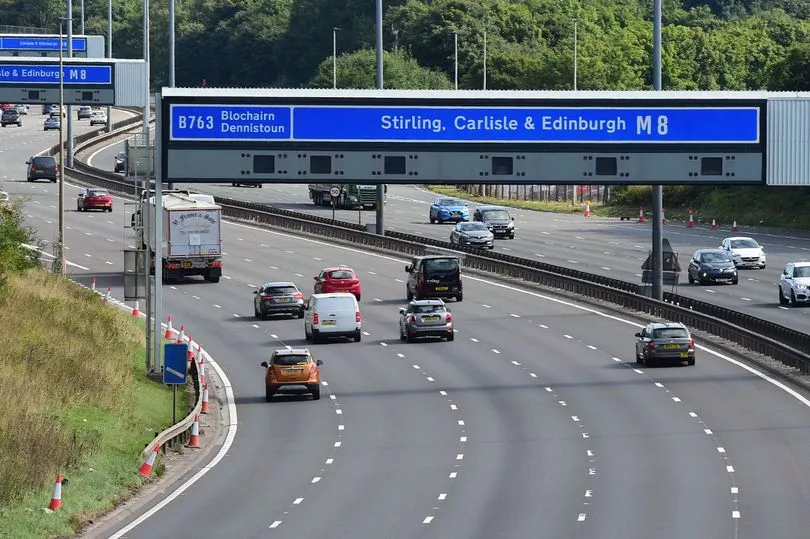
[
  {"x": 318, "y": 362},
  {"x": 402, "y": 310},
  {"x": 263, "y": 364},
  {"x": 638, "y": 335},
  {"x": 408, "y": 268},
  {"x": 255, "y": 291},
  {"x": 315, "y": 278}
]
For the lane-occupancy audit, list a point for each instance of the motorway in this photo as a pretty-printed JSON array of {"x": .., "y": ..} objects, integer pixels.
[
  {"x": 534, "y": 422},
  {"x": 602, "y": 246}
]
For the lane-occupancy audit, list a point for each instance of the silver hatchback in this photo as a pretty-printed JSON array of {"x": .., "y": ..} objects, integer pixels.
[
  {"x": 660, "y": 342},
  {"x": 425, "y": 318}
]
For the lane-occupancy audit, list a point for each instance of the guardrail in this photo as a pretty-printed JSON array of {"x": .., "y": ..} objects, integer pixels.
[{"x": 779, "y": 342}]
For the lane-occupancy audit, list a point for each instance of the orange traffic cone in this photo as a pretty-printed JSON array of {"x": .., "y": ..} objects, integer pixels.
[
  {"x": 182, "y": 337},
  {"x": 734, "y": 226},
  {"x": 714, "y": 224},
  {"x": 56, "y": 498},
  {"x": 691, "y": 222},
  {"x": 204, "y": 408},
  {"x": 146, "y": 468},
  {"x": 201, "y": 366},
  {"x": 169, "y": 329},
  {"x": 190, "y": 352},
  {"x": 194, "y": 440},
  {"x": 663, "y": 216},
  {"x": 137, "y": 310},
  {"x": 108, "y": 295},
  {"x": 641, "y": 214},
  {"x": 587, "y": 209}
]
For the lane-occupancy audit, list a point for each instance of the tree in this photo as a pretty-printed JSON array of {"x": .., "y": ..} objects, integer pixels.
[
  {"x": 792, "y": 73},
  {"x": 358, "y": 70}
]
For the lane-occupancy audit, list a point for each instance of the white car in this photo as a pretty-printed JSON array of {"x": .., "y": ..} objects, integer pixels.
[
  {"x": 98, "y": 117},
  {"x": 745, "y": 252},
  {"x": 794, "y": 283},
  {"x": 332, "y": 315}
]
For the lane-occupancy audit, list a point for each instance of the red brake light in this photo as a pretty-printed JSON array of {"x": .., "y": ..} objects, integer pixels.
[
  {"x": 266, "y": 297},
  {"x": 449, "y": 317},
  {"x": 315, "y": 318},
  {"x": 650, "y": 345},
  {"x": 412, "y": 319},
  {"x": 357, "y": 316},
  {"x": 691, "y": 343},
  {"x": 298, "y": 295}
]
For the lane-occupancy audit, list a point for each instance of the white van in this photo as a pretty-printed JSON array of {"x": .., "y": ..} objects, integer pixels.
[{"x": 332, "y": 315}]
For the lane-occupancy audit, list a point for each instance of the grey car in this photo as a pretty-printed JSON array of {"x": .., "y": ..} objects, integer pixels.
[
  {"x": 425, "y": 318},
  {"x": 11, "y": 117},
  {"x": 474, "y": 234},
  {"x": 660, "y": 342},
  {"x": 497, "y": 219},
  {"x": 281, "y": 297}
]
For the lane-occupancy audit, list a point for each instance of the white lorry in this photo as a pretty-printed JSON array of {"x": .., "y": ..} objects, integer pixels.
[{"x": 192, "y": 238}]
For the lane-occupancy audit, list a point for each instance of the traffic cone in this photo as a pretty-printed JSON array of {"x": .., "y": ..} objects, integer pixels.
[
  {"x": 663, "y": 216},
  {"x": 190, "y": 352},
  {"x": 93, "y": 285},
  {"x": 169, "y": 329},
  {"x": 641, "y": 214},
  {"x": 691, "y": 222},
  {"x": 194, "y": 440},
  {"x": 201, "y": 365},
  {"x": 108, "y": 295},
  {"x": 734, "y": 226},
  {"x": 714, "y": 224},
  {"x": 204, "y": 408},
  {"x": 182, "y": 337},
  {"x": 56, "y": 498},
  {"x": 587, "y": 209},
  {"x": 146, "y": 468},
  {"x": 137, "y": 310}
]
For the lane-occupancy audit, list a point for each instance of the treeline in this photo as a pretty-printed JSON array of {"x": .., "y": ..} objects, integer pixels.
[{"x": 707, "y": 44}]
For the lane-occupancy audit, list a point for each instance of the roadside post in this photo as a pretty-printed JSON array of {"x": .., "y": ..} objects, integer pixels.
[
  {"x": 175, "y": 363},
  {"x": 334, "y": 193}
]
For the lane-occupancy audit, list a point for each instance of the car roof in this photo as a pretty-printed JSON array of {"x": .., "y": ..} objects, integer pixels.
[
  {"x": 333, "y": 295},
  {"x": 740, "y": 238},
  {"x": 291, "y": 352},
  {"x": 662, "y": 325},
  {"x": 711, "y": 251},
  {"x": 338, "y": 268},
  {"x": 802, "y": 264},
  {"x": 427, "y": 257},
  {"x": 435, "y": 301},
  {"x": 280, "y": 283},
  {"x": 491, "y": 207}
]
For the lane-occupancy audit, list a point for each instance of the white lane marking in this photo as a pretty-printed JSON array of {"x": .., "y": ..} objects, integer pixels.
[
  {"x": 707, "y": 431},
  {"x": 442, "y": 496},
  {"x": 399, "y": 280},
  {"x": 591, "y": 471},
  {"x": 443, "y": 393},
  {"x": 592, "y": 347},
  {"x": 691, "y": 414},
  {"x": 532, "y": 375},
  {"x": 562, "y": 403},
  {"x": 330, "y": 461},
  {"x": 453, "y": 407},
  {"x": 315, "y": 479},
  {"x": 606, "y": 268},
  {"x": 372, "y": 273},
  {"x": 227, "y": 277},
  {"x": 460, "y": 456},
  {"x": 735, "y": 490},
  {"x": 588, "y": 493},
  {"x": 659, "y": 384},
  {"x": 585, "y": 435},
  {"x": 273, "y": 267},
  {"x": 735, "y": 514},
  {"x": 414, "y": 366},
  {"x": 638, "y": 371},
  {"x": 514, "y": 315},
  {"x": 548, "y": 389},
  {"x": 275, "y": 524},
  {"x": 721, "y": 449},
  {"x": 485, "y": 306},
  {"x": 252, "y": 325},
  {"x": 339, "y": 411},
  {"x": 245, "y": 259},
  {"x": 590, "y": 452},
  {"x": 462, "y": 439},
  {"x": 746, "y": 299},
  {"x": 515, "y": 363},
  {"x": 428, "y": 519},
  {"x": 568, "y": 336},
  {"x": 333, "y": 396},
  {"x": 273, "y": 335},
  {"x": 383, "y": 344},
  {"x": 324, "y": 382},
  {"x": 730, "y": 469},
  {"x": 575, "y": 418},
  {"x": 297, "y": 501},
  {"x": 377, "y": 299},
  {"x": 341, "y": 427},
  {"x": 88, "y": 255},
  {"x": 543, "y": 326},
  {"x": 108, "y": 262},
  {"x": 453, "y": 475},
  {"x": 400, "y": 354},
  {"x": 676, "y": 399},
  {"x": 473, "y": 339},
  {"x": 581, "y": 517},
  {"x": 430, "y": 379},
  {"x": 461, "y": 422},
  {"x": 495, "y": 351},
  {"x": 249, "y": 285}
]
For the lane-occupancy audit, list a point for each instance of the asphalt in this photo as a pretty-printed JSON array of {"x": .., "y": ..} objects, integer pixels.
[{"x": 534, "y": 422}]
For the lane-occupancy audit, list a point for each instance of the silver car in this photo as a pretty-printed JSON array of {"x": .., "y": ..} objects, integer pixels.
[
  {"x": 474, "y": 234},
  {"x": 425, "y": 318},
  {"x": 660, "y": 342},
  {"x": 794, "y": 284}
]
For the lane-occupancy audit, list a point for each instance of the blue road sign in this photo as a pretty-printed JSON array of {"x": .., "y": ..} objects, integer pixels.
[
  {"x": 229, "y": 122},
  {"x": 600, "y": 125},
  {"x": 175, "y": 360},
  {"x": 40, "y": 43},
  {"x": 73, "y": 74}
]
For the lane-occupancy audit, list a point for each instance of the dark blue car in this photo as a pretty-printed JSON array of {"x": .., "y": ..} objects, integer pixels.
[
  {"x": 712, "y": 266},
  {"x": 446, "y": 209}
]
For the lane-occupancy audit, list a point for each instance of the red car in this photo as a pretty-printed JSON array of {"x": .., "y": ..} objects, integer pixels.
[
  {"x": 94, "y": 199},
  {"x": 340, "y": 279}
]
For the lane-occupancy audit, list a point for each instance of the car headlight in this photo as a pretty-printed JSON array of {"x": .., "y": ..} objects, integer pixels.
[{"x": 801, "y": 287}]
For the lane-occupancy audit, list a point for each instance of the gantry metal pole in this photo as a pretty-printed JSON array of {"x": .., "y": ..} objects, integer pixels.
[
  {"x": 657, "y": 190},
  {"x": 69, "y": 119},
  {"x": 379, "y": 45},
  {"x": 109, "y": 55},
  {"x": 158, "y": 228},
  {"x": 60, "y": 237}
]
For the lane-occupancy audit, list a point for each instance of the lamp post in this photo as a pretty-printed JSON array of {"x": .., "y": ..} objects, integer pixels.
[
  {"x": 455, "y": 60},
  {"x": 81, "y": 21},
  {"x": 657, "y": 191},
  {"x": 69, "y": 118},
  {"x": 61, "y": 233},
  {"x": 485, "y": 59},
  {"x": 334, "y": 57},
  {"x": 575, "y": 54}
]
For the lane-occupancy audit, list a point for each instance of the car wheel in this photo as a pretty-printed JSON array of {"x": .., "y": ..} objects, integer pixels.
[
  {"x": 451, "y": 336},
  {"x": 402, "y": 336},
  {"x": 690, "y": 278},
  {"x": 459, "y": 296},
  {"x": 735, "y": 281},
  {"x": 491, "y": 247},
  {"x": 432, "y": 221},
  {"x": 793, "y": 299},
  {"x": 639, "y": 358},
  {"x": 301, "y": 314},
  {"x": 358, "y": 336},
  {"x": 109, "y": 209},
  {"x": 268, "y": 394},
  {"x": 358, "y": 297},
  {"x": 408, "y": 293},
  {"x": 691, "y": 361},
  {"x": 316, "y": 339},
  {"x": 307, "y": 337},
  {"x": 409, "y": 337},
  {"x": 316, "y": 392},
  {"x": 782, "y": 299},
  {"x": 511, "y": 236}
]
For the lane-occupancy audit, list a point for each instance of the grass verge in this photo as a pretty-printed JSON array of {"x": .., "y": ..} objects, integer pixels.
[{"x": 77, "y": 402}]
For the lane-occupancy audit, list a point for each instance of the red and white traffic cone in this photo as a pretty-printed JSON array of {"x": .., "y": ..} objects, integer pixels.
[
  {"x": 182, "y": 337},
  {"x": 663, "y": 216},
  {"x": 137, "y": 310},
  {"x": 146, "y": 468},
  {"x": 587, "y": 209},
  {"x": 93, "y": 285},
  {"x": 734, "y": 226},
  {"x": 194, "y": 440},
  {"x": 56, "y": 497},
  {"x": 641, "y": 214},
  {"x": 201, "y": 366},
  {"x": 691, "y": 222},
  {"x": 714, "y": 224},
  {"x": 169, "y": 329},
  {"x": 108, "y": 295},
  {"x": 190, "y": 352},
  {"x": 204, "y": 408}
]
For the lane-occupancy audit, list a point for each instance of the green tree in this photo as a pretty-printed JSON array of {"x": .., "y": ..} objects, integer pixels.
[
  {"x": 400, "y": 71},
  {"x": 792, "y": 73}
]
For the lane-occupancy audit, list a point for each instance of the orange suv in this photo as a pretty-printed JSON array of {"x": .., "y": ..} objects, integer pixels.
[{"x": 292, "y": 371}]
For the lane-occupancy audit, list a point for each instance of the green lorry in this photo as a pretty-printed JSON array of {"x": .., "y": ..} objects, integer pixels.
[{"x": 352, "y": 196}]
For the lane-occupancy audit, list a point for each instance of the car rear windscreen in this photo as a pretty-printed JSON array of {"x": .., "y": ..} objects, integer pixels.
[
  {"x": 441, "y": 266},
  {"x": 341, "y": 274},
  {"x": 98, "y": 193},
  {"x": 291, "y": 360},
  {"x": 281, "y": 290},
  {"x": 44, "y": 161},
  {"x": 671, "y": 333}
]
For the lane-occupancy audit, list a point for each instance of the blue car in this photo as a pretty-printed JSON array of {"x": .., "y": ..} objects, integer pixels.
[{"x": 446, "y": 209}]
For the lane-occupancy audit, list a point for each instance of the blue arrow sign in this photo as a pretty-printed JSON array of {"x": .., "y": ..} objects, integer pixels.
[
  {"x": 49, "y": 74},
  {"x": 175, "y": 362},
  {"x": 40, "y": 43}
]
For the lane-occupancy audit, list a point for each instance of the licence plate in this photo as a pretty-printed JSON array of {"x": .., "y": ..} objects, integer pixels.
[
  {"x": 328, "y": 323},
  {"x": 441, "y": 288},
  {"x": 293, "y": 371},
  {"x": 186, "y": 263},
  {"x": 672, "y": 346},
  {"x": 281, "y": 300},
  {"x": 684, "y": 355},
  {"x": 430, "y": 318}
]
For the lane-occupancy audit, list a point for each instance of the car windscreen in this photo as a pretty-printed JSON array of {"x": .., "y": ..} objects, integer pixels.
[
  {"x": 467, "y": 227},
  {"x": 290, "y": 359},
  {"x": 341, "y": 274},
  {"x": 713, "y": 258},
  {"x": 450, "y": 202},
  {"x": 803, "y": 271},
  {"x": 436, "y": 267},
  {"x": 670, "y": 333},
  {"x": 496, "y": 214},
  {"x": 744, "y": 244},
  {"x": 280, "y": 290}
]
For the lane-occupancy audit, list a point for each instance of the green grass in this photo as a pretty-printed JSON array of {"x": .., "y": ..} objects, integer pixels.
[{"x": 80, "y": 404}]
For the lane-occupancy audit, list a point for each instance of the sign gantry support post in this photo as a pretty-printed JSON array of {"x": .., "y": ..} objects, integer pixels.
[
  {"x": 657, "y": 190},
  {"x": 61, "y": 179},
  {"x": 158, "y": 228},
  {"x": 69, "y": 118},
  {"x": 378, "y": 18}
]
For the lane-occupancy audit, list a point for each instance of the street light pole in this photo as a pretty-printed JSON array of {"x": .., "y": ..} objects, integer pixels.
[
  {"x": 378, "y": 39},
  {"x": 334, "y": 57},
  {"x": 109, "y": 55},
  {"x": 69, "y": 109},
  {"x": 455, "y": 60},
  {"x": 575, "y": 54},
  {"x": 171, "y": 43},
  {"x": 61, "y": 234},
  {"x": 81, "y": 24},
  {"x": 485, "y": 59},
  {"x": 657, "y": 190}
]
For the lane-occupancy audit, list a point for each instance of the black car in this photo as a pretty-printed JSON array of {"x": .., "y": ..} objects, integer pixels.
[
  {"x": 434, "y": 276},
  {"x": 711, "y": 266},
  {"x": 497, "y": 219},
  {"x": 11, "y": 117},
  {"x": 281, "y": 297},
  {"x": 42, "y": 167}
]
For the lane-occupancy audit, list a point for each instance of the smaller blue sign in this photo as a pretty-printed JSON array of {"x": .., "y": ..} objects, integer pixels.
[
  {"x": 40, "y": 43},
  {"x": 229, "y": 122},
  {"x": 175, "y": 361},
  {"x": 73, "y": 74}
]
